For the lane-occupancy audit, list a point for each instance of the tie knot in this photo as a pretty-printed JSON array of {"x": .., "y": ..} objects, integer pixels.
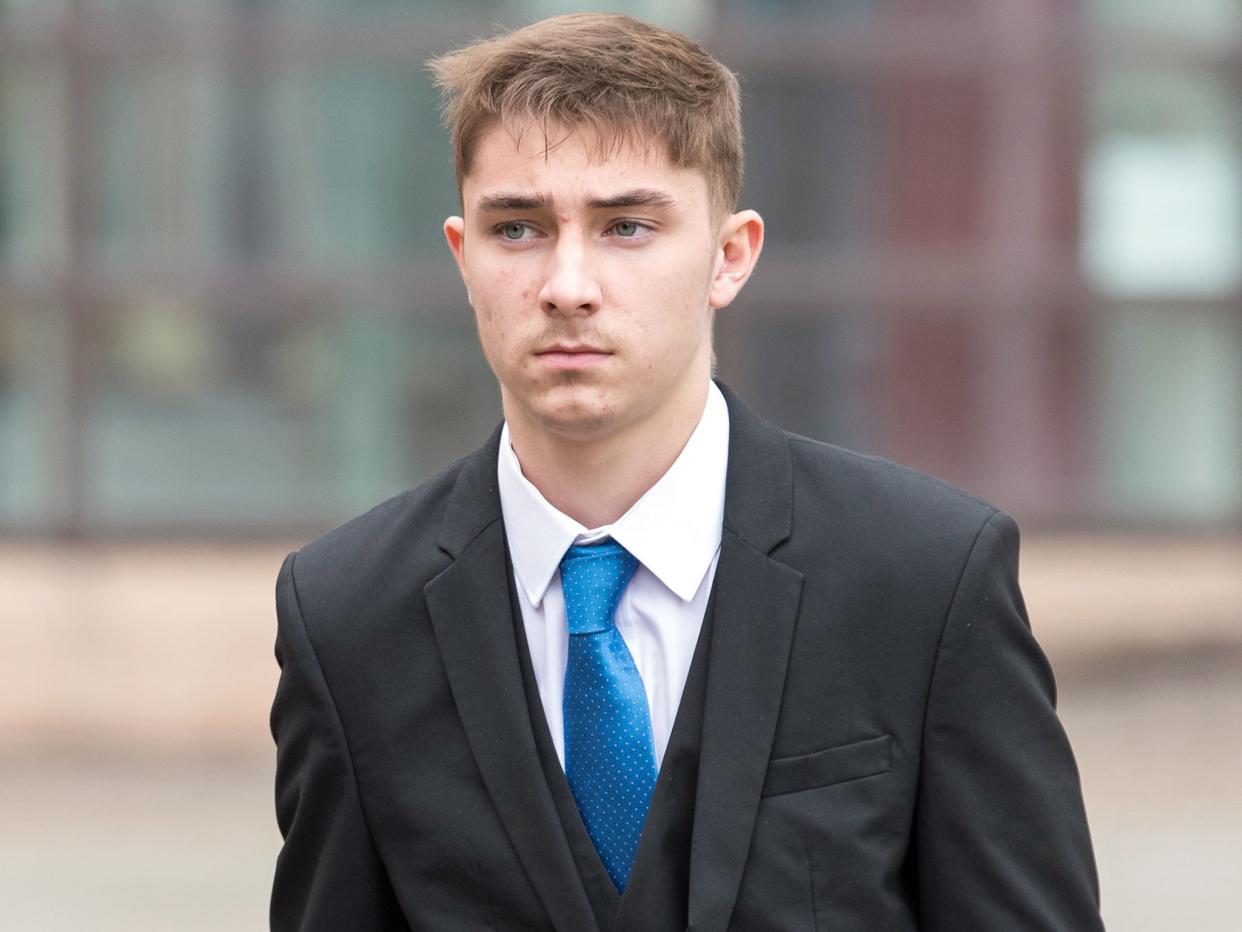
[{"x": 593, "y": 577}]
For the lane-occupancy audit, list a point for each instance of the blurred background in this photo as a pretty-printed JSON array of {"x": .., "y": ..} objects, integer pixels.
[{"x": 1005, "y": 246}]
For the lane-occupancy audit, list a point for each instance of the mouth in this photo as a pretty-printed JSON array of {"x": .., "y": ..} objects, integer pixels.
[{"x": 572, "y": 356}]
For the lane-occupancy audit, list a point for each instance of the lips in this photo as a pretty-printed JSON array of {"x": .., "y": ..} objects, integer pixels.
[
  {"x": 572, "y": 355},
  {"x": 571, "y": 348}
]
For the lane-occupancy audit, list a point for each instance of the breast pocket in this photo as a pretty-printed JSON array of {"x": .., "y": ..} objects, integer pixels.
[{"x": 831, "y": 765}]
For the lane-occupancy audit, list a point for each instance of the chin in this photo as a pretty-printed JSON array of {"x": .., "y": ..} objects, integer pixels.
[
  {"x": 579, "y": 423},
  {"x": 578, "y": 411}
]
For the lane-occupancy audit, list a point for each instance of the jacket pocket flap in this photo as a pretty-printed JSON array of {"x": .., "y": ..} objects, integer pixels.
[{"x": 832, "y": 765}]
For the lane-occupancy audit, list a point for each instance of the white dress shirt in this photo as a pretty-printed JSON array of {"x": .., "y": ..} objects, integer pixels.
[{"x": 673, "y": 531}]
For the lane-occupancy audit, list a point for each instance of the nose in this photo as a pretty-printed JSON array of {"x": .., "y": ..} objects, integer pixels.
[{"x": 571, "y": 286}]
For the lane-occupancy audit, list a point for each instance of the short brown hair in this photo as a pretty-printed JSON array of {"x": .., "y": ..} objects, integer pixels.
[{"x": 624, "y": 80}]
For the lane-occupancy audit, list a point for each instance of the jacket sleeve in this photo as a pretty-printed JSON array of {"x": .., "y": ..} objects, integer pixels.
[
  {"x": 328, "y": 875},
  {"x": 1001, "y": 834}
]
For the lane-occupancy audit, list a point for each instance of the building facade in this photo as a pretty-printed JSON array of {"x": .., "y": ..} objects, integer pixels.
[{"x": 1005, "y": 246}]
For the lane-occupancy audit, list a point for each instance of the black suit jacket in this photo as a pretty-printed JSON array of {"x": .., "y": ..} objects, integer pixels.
[{"x": 879, "y": 747}]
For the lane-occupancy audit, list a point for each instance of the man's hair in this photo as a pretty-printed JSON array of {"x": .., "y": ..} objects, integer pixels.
[{"x": 624, "y": 81}]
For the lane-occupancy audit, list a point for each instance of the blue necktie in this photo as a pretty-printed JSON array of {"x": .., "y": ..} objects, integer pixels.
[{"x": 609, "y": 752}]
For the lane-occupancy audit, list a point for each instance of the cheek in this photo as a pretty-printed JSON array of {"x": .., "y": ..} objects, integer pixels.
[
  {"x": 488, "y": 322},
  {"x": 507, "y": 293},
  {"x": 502, "y": 324},
  {"x": 688, "y": 295}
]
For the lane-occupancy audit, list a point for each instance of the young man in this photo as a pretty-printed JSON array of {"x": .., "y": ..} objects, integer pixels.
[{"x": 644, "y": 661}]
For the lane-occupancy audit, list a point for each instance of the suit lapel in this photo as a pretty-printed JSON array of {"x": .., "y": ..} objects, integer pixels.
[
  {"x": 473, "y": 622},
  {"x": 757, "y": 601}
]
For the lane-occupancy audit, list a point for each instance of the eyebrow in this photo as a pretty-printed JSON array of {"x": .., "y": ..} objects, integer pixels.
[
  {"x": 492, "y": 203},
  {"x": 638, "y": 197}
]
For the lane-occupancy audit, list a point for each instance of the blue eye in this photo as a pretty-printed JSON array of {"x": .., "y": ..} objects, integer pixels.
[
  {"x": 627, "y": 228},
  {"x": 513, "y": 231}
]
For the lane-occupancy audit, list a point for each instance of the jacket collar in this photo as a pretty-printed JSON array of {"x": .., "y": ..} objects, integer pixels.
[
  {"x": 673, "y": 529},
  {"x": 758, "y": 486}
]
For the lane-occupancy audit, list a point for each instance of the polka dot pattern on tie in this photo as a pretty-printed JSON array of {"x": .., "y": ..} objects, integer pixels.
[{"x": 609, "y": 751}]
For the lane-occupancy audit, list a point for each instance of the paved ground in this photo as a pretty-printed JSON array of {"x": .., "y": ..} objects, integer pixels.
[
  {"x": 97, "y": 845},
  {"x": 135, "y": 784},
  {"x": 1160, "y": 752}
]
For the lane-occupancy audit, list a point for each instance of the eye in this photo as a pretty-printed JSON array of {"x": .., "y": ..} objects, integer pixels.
[
  {"x": 627, "y": 228},
  {"x": 514, "y": 231}
]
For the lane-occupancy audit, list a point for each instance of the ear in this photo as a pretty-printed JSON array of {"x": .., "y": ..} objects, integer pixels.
[
  {"x": 455, "y": 236},
  {"x": 741, "y": 241}
]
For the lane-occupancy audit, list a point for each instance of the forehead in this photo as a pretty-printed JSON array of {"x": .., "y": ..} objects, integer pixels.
[{"x": 526, "y": 157}]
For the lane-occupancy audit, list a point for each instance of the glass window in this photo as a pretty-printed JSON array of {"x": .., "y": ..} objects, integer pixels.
[
  {"x": 1211, "y": 19},
  {"x": 362, "y": 169},
  {"x": 219, "y": 418},
  {"x": 32, "y": 341},
  {"x": 1162, "y": 198},
  {"x": 1162, "y": 241},
  {"x": 32, "y": 168}
]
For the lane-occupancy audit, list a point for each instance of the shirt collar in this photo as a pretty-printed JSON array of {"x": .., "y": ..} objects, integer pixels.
[{"x": 673, "y": 530}]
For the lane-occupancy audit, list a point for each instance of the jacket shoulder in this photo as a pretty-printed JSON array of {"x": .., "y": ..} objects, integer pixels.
[
  {"x": 877, "y": 476},
  {"x": 405, "y": 519},
  {"x": 378, "y": 560},
  {"x": 891, "y": 512}
]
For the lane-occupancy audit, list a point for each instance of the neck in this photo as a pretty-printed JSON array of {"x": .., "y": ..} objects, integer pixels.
[{"x": 597, "y": 480}]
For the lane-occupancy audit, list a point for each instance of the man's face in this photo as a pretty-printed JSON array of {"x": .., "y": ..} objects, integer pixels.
[{"x": 594, "y": 280}]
